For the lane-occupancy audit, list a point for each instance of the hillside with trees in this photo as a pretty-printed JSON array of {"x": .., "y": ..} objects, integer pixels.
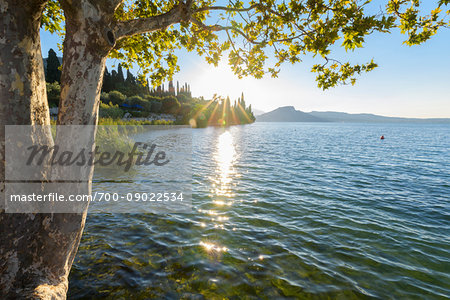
[{"x": 127, "y": 96}]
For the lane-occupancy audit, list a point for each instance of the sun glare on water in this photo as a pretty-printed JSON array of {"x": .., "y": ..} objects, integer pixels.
[{"x": 224, "y": 158}]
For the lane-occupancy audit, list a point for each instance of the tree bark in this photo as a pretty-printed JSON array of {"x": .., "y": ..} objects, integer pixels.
[
  {"x": 36, "y": 250},
  {"x": 23, "y": 101},
  {"x": 86, "y": 46}
]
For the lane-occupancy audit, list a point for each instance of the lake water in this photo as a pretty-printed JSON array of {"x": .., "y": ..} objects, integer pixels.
[{"x": 299, "y": 210}]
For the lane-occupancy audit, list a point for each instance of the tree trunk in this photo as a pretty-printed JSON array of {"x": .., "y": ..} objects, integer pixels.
[
  {"x": 26, "y": 270},
  {"x": 86, "y": 46},
  {"x": 37, "y": 250}
]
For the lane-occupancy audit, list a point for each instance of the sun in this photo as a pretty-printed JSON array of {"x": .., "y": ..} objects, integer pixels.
[{"x": 218, "y": 80}]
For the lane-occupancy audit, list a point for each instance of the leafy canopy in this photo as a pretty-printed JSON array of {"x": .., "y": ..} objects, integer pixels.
[{"x": 249, "y": 32}]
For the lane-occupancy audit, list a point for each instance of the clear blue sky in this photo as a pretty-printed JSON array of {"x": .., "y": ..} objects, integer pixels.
[{"x": 409, "y": 82}]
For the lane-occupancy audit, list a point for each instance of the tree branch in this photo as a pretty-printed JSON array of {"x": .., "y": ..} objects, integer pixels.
[
  {"x": 207, "y": 8},
  {"x": 240, "y": 32},
  {"x": 177, "y": 14},
  {"x": 112, "y": 5},
  {"x": 221, "y": 28}
]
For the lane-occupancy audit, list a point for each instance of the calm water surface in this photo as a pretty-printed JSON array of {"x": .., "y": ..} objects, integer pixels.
[{"x": 297, "y": 210}]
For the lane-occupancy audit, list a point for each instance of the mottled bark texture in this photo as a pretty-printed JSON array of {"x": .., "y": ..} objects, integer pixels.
[
  {"x": 86, "y": 46},
  {"x": 36, "y": 250}
]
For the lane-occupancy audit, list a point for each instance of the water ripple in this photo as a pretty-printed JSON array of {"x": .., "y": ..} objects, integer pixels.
[{"x": 288, "y": 210}]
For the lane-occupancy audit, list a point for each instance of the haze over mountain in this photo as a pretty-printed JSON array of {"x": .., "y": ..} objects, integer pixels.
[
  {"x": 287, "y": 114},
  {"x": 257, "y": 112},
  {"x": 290, "y": 114}
]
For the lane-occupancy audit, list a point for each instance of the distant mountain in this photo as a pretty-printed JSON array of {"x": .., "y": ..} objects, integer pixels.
[
  {"x": 287, "y": 114},
  {"x": 332, "y": 116},
  {"x": 257, "y": 112}
]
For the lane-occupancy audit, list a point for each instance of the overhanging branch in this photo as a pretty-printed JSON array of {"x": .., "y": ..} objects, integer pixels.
[
  {"x": 243, "y": 34},
  {"x": 223, "y": 28},
  {"x": 177, "y": 14},
  {"x": 230, "y": 9}
]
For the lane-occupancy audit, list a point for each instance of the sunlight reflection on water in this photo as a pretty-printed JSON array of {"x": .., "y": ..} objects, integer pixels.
[{"x": 224, "y": 157}]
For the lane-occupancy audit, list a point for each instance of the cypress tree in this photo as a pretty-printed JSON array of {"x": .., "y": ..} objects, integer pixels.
[
  {"x": 52, "y": 73},
  {"x": 227, "y": 111},
  {"x": 107, "y": 82},
  {"x": 130, "y": 78},
  {"x": 120, "y": 78},
  {"x": 114, "y": 79}
]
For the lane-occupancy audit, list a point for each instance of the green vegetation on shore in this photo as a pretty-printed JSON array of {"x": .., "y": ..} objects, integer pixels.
[{"x": 130, "y": 98}]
